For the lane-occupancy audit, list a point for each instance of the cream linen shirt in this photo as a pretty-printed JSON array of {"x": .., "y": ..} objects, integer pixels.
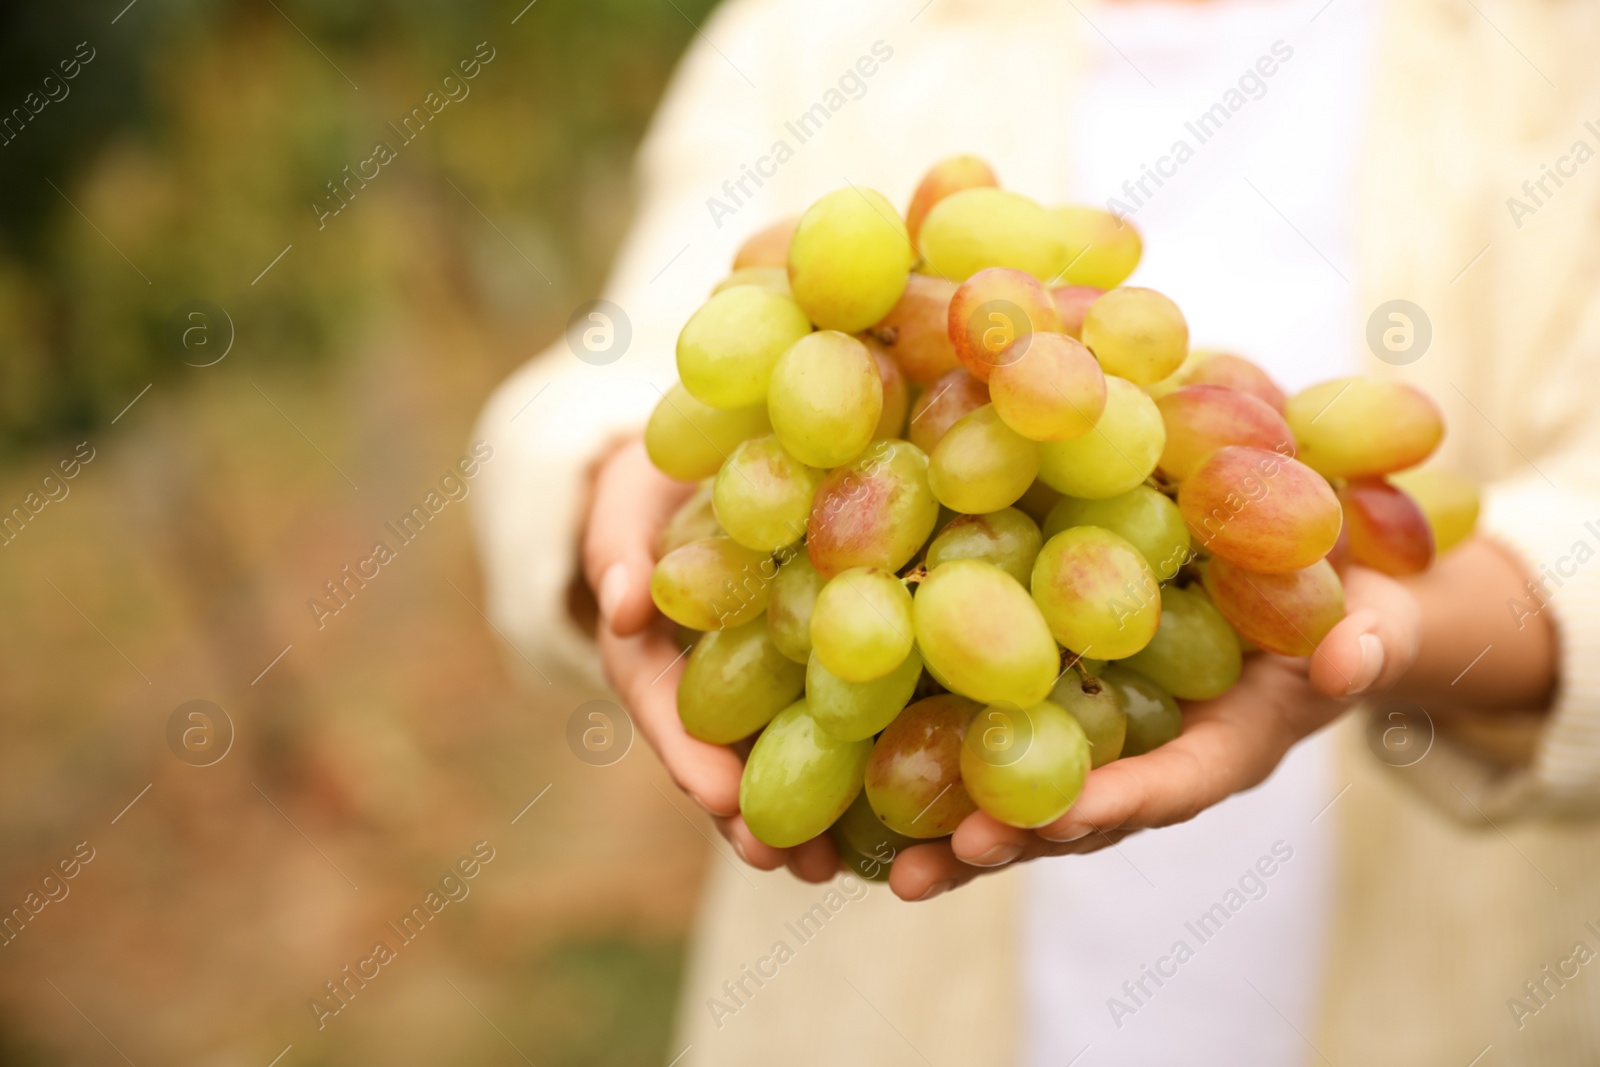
[{"x": 1437, "y": 923}]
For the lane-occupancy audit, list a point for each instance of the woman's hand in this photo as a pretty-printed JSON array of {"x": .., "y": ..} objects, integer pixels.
[{"x": 632, "y": 502}]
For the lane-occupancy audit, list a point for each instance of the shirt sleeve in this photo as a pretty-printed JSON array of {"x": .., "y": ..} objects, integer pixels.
[
  {"x": 550, "y": 421},
  {"x": 1550, "y": 520}
]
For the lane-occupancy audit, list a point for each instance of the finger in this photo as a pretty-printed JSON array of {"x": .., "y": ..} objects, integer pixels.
[
  {"x": 1375, "y": 643},
  {"x": 815, "y": 861},
  {"x": 645, "y": 670},
  {"x": 922, "y": 872},
  {"x": 984, "y": 841},
  {"x": 632, "y": 501},
  {"x": 1228, "y": 744},
  {"x": 754, "y": 851}
]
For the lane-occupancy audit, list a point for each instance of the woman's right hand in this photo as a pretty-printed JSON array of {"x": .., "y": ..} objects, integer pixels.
[{"x": 630, "y": 504}]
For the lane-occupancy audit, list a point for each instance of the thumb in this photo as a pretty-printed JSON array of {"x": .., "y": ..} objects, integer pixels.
[
  {"x": 1376, "y": 642},
  {"x": 632, "y": 502}
]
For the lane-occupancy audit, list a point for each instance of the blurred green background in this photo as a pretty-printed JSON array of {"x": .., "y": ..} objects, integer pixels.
[{"x": 179, "y": 166}]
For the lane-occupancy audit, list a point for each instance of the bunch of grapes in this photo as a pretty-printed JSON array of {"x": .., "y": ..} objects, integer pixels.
[{"x": 972, "y": 517}]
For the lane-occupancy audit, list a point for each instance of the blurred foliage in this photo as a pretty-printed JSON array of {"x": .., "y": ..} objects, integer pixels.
[
  {"x": 188, "y": 153},
  {"x": 185, "y": 159}
]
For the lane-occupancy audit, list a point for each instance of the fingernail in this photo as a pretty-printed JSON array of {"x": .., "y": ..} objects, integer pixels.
[
  {"x": 1371, "y": 664},
  {"x": 613, "y": 589},
  {"x": 934, "y": 890},
  {"x": 1066, "y": 835},
  {"x": 739, "y": 848},
  {"x": 998, "y": 856}
]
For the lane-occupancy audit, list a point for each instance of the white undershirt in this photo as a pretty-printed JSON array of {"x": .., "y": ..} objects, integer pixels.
[{"x": 1253, "y": 237}]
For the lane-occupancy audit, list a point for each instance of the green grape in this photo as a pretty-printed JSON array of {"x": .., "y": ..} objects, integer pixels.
[
  {"x": 861, "y": 624},
  {"x": 849, "y": 259},
  {"x": 877, "y": 512},
  {"x": 1194, "y": 654},
  {"x": 1007, "y": 538},
  {"x": 762, "y": 495},
  {"x": 1118, "y": 454},
  {"x": 775, "y": 279},
  {"x": 1025, "y": 767},
  {"x": 1098, "y": 710},
  {"x": 866, "y": 846},
  {"x": 799, "y": 779},
  {"x": 1096, "y": 592},
  {"x": 825, "y": 399},
  {"x": 1153, "y": 716},
  {"x": 1335, "y": 424},
  {"x": 712, "y": 584},
  {"x": 790, "y": 598},
  {"x": 913, "y": 780},
  {"x": 851, "y": 711},
  {"x": 728, "y": 348},
  {"x": 694, "y": 520},
  {"x": 1144, "y": 517},
  {"x": 979, "y": 228},
  {"x": 981, "y": 464},
  {"x": 688, "y": 440},
  {"x": 1136, "y": 334},
  {"x": 1102, "y": 249},
  {"x": 735, "y": 682},
  {"x": 981, "y": 634}
]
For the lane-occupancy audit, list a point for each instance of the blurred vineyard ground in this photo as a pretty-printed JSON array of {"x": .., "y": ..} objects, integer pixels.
[{"x": 379, "y": 749}]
